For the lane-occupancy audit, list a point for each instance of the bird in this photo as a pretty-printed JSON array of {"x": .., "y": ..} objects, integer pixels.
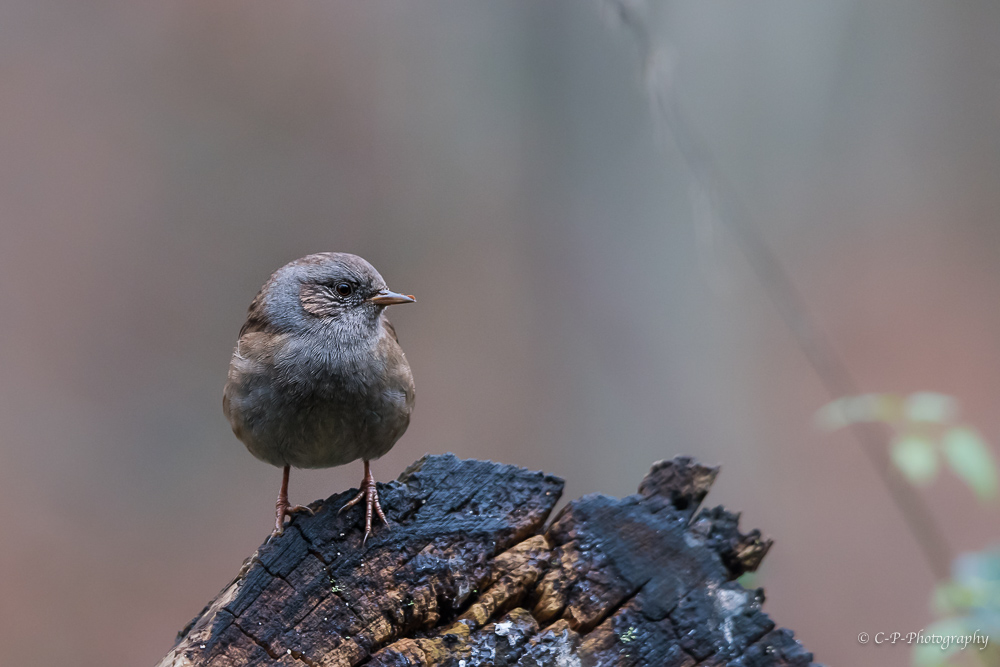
[{"x": 318, "y": 378}]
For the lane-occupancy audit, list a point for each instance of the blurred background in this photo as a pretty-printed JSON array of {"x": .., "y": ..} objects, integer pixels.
[{"x": 580, "y": 308}]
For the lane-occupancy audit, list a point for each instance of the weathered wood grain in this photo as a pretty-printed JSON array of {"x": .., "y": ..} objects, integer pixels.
[{"x": 469, "y": 575}]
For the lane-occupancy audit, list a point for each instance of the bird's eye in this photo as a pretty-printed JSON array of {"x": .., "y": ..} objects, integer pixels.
[{"x": 344, "y": 289}]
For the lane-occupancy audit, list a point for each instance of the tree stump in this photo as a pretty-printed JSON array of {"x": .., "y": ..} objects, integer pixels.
[{"x": 468, "y": 574}]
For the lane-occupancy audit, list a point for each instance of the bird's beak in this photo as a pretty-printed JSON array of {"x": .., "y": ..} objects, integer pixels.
[{"x": 387, "y": 298}]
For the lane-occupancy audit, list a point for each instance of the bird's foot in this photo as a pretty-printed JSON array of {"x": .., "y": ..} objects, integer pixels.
[
  {"x": 283, "y": 509},
  {"x": 368, "y": 493}
]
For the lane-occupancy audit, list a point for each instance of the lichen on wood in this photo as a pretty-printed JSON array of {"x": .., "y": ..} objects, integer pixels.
[{"x": 469, "y": 574}]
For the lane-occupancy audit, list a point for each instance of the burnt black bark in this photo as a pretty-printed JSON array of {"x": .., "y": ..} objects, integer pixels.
[{"x": 469, "y": 574}]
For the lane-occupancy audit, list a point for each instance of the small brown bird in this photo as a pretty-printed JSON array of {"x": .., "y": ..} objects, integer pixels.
[{"x": 318, "y": 378}]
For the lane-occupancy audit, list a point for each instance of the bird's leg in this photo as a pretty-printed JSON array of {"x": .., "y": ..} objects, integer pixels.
[
  {"x": 368, "y": 492},
  {"x": 282, "y": 508}
]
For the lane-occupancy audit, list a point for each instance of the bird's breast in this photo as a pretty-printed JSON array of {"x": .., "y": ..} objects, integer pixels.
[{"x": 312, "y": 402}]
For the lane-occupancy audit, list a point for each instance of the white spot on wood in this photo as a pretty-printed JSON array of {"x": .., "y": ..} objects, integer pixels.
[{"x": 729, "y": 603}]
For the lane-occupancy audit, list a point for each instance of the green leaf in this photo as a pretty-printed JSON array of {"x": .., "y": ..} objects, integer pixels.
[
  {"x": 833, "y": 415},
  {"x": 915, "y": 457},
  {"x": 950, "y": 598},
  {"x": 862, "y": 408},
  {"x": 749, "y": 580},
  {"x": 943, "y": 598},
  {"x": 930, "y": 407},
  {"x": 886, "y": 407},
  {"x": 971, "y": 459}
]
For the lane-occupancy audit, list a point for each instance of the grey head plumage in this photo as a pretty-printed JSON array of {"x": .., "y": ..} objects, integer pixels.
[{"x": 334, "y": 293}]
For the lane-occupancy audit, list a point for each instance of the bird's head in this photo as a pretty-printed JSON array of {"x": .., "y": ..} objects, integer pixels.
[{"x": 331, "y": 289}]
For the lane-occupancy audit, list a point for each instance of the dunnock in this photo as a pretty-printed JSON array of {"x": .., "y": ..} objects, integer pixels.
[{"x": 318, "y": 378}]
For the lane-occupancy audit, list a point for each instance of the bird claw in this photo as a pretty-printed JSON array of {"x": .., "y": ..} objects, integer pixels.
[
  {"x": 368, "y": 493},
  {"x": 283, "y": 509}
]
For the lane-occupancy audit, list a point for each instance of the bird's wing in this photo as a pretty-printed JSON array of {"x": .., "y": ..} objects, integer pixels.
[
  {"x": 256, "y": 322},
  {"x": 391, "y": 329}
]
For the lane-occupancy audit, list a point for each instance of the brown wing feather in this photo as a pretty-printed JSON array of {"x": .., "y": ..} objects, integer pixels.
[
  {"x": 391, "y": 329},
  {"x": 256, "y": 322}
]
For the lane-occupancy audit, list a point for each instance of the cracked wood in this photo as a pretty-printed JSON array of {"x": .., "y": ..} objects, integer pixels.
[{"x": 469, "y": 574}]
